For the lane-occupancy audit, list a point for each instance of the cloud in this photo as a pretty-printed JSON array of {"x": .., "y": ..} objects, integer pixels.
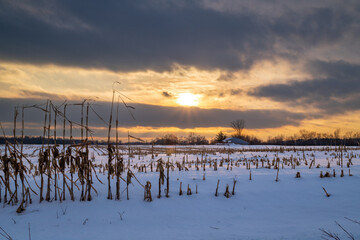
[
  {"x": 49, "y": 12},
  {"x": 226, "y": 77},
  {"x": 40, "y": 94},
  {"x": 140, "y": 35},
  {"x": 334, "y": 88},
  {"x": 223, "y": 92},
  {"x": 235, "y": 91},
  {"x": 167, "y": 94}
]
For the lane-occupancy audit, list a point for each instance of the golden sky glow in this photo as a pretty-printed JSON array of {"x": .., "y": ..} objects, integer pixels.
[
  {"x": 185, "y": 86},
  {"x": 25, "y": 80}
]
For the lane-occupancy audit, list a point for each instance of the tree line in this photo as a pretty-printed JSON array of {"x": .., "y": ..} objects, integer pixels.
[
  {"x": 320, "y": 139},
  {"x": 302, "y": 138}
]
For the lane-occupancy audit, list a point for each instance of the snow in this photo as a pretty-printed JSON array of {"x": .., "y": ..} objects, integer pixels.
[{"x": 292, "y": 208}]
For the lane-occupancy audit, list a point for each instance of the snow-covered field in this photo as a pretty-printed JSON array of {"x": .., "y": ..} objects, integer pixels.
[{"x": 262, "y": 208}]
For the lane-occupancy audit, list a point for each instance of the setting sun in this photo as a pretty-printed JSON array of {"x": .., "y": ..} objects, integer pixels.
[{"x": 188, "y": 99}]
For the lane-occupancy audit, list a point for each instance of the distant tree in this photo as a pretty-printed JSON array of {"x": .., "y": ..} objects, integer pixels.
[
  {"x": 194, "y": 139},
  {"x": 201, "y": 140},
  {"x": 168, "y": 139},
  {"x": 337, "y": 133},
  {"x": 220, "y": 137},
  {"x": 238, "y": 127},
  {"x": 191, "y": 139},
  {"x": 306, "y": 135}
]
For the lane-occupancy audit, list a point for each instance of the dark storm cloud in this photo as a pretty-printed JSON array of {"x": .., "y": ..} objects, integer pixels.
[
  {"x": 133, "y": 35},
  {"x": 334, "y": 89},
  {"x": 317, "y": 26},
  {"x": 157, "y": 116}
]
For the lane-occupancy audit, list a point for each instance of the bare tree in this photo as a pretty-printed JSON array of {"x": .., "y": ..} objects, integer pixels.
[
  {"x": 337, "y": 133},
  {"x": 238, "y": 127}
]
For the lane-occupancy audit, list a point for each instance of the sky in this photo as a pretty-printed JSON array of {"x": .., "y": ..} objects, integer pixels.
[{"x": 185, "y": 66}]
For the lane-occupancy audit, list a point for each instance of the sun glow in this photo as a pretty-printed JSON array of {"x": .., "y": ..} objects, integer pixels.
[{"x": 188, "y": 99}]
